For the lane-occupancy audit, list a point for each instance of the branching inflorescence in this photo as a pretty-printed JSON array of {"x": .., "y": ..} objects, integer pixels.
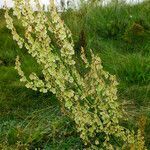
[{"x": 90, "y": 99}]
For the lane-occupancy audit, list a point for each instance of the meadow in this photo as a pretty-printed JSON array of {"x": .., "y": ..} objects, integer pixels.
[{"x": 119, "y": 34}]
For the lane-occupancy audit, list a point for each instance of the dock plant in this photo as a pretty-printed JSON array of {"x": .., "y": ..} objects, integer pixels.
[{"x": 89, "y": 99}]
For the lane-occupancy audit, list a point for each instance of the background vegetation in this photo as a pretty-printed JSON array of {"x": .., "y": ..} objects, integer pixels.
[{"x": 120, "y": 34}]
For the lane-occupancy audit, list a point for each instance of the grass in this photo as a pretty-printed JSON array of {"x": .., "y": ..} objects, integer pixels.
[{"x": 119, "y": 34}]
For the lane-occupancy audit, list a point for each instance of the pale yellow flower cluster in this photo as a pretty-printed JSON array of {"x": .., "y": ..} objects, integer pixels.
[
  {"x": 16, "y": 37},
  {"x": 90, "y": 99},
  {"x": 63, "y": 36}
]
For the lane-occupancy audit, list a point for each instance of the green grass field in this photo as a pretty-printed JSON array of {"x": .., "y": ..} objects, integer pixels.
[{"x": 119, "y": 34}]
